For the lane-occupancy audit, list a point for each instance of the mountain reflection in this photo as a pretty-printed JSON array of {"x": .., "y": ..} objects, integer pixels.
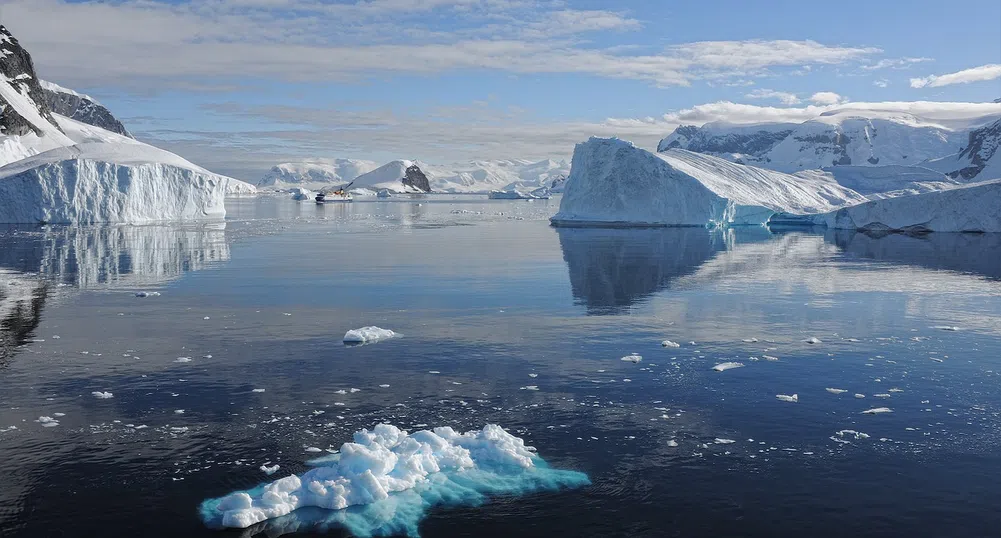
[
  {"x": 613, "y": 269},
  {"x": 978, "y": 254}
]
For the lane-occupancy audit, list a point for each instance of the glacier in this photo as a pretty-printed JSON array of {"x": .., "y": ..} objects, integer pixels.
[
  {"x": 613, "y": 182},
  {"x": 387, "y": 479}
]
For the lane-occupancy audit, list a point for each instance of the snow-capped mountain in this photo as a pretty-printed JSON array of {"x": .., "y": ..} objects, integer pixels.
[
  {"x": 395, "y": 176},
  {"x": 486, "y": 176},
  {"x": 979, "y": 159},
  {"x": 56, "y": 169},
  {"x": 80, "y": 107},
  {"x": 315, "y": 174},
  {"x": 847, "y": 136}
]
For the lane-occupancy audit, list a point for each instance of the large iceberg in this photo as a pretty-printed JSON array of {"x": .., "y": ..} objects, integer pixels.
[
  {"x": 970, "y": 208},
  {"x": 613, "y": 182},
  {"x": 386, "y": 480}
]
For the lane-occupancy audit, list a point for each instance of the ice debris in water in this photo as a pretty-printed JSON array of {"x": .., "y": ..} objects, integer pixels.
[
  {"x": 147, "y": 294},
  {"x": 270, "y": 470},
  {"x": 386, "y": 480},
  {"x": 836, "y": 391},
  {"x": 750, "y": 340},
  {"x": 668, "y": 343},
  {"x": 945, "y": 328},
  {"x": 877, "y": 410},
  {"x": 769, "y": 358},
  {"x": 102, "y": 395},
  {"x": 258, "y": 390},
  {"x": 368, "y": 335},
  {"x": 47, "y": 422},
  {"x": 788, "y": 398},
  {"x": 728, "y": 366},
  {"x": 852, "y": 433},
  {"x": 813, "y": 340},
  {"x": 859, "y": 396},
  {"x": 182, "y": 359},
  {"x": 634, "y": 358}
]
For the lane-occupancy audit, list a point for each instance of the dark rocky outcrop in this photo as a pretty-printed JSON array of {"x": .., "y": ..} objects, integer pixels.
[
  {"x": 416, "y": 179},
  {"x": 82, "y": 108},
  {"x": 17, "y": 68},
  {"x": 983, "y": 145}
]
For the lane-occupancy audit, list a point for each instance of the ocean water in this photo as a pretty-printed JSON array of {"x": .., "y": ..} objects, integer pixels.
[{"x": 496, "y": 301}]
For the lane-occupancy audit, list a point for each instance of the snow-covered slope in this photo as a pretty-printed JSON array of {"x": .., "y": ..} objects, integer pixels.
[
  {"x": 315, "y": 174},
  {"x": 389, "y": 176},
  {"x": 80, "y": 107},
  {"x": 56, "y": 169},
  {"x": 864, "y": 134},
  {"x": 486, "y": 176},
  {"x": 614, "y": 182},
  {"x": 969, "y": 208},
  {"x": 978, "y": 159}
]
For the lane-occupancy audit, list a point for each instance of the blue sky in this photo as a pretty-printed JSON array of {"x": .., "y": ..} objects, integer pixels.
[{"x": 239, "y": 85}]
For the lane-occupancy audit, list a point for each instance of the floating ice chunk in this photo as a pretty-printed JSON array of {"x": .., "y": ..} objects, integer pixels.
[
  {"x": 178, "y": 411},
  {"x": 857, "y": 435},
  {"x": 384, "y": 386},
  {"x": 813, "y": 340},
  {"x": 668, "y": 343},
  {"x": 727, "y": 366},
  {"x": 750, "y": 340},
  {"x": 182, "y": 359},
  {"x": 859, "y": 396},
  {"x": 881, "y": 395},
  {"x": 368, "y": 335},
  {"x": 895, "y": 390},
  {"x": 788, "y": 398},
  {"x": 634, "y": 358},
  {"x": 836, "y": 391},
  {"x": 769, "y": 358},
  {"x": 147, "y": 294},
  {"x": 102, "y": 395},
  {"x": 877, "y": 410},
  {"x": 258, "y": 390},
  {"x": 313, "y": 449},
  {"x": 720, "y": 441},
  {"x": 530, "y": 387},
  {"x": 393, "y": 478},
  {"x": 47, "y": 422},
  {"x": 58, "y": 415},
  {"x": 945, "y": 328},
  {"x": 270, "y": 470},
  {"x": 672, "y": 443},
  {"x": 533, "y": 375}
]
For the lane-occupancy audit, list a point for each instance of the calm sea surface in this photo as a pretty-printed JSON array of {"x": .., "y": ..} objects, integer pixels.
[{"x": 487, "y": 293}]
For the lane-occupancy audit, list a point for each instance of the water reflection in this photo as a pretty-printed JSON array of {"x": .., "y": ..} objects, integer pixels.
[
  {"x": 964, "y": 253},
  {"x": 113, "y": 256},
  {"x": 21, "y": 302},
  {"x": 613, "y": 269}
]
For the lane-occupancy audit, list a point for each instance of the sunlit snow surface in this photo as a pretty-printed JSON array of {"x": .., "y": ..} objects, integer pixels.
[{"x": 386, "y": 480}]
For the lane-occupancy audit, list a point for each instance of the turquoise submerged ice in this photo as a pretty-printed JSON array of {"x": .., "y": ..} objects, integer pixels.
[{"x": 385, "y": 481}]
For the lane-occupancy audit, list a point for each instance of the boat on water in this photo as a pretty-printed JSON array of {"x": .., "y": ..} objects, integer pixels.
[{"x": 339, "y": 195}]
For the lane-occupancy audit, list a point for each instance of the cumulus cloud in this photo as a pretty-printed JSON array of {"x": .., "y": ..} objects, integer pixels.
[
  {"x": 894, "y": 63},
  {"x": 974, "y": 74},
  {"x": 785, "y": 98},
  {"x": 827, "y": 98}
]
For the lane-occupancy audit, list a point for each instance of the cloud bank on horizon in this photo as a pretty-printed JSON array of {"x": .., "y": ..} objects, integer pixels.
[{"x": 238, "y": 85}]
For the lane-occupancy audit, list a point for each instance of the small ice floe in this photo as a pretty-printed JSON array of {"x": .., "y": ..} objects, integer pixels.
[
  {"x": 877, "y": 411},
  {"x": 857, "y": 435},
  {"x": 668, "y": 343},
  {"x": 178, "y": 411},
  {"x": 47, "y": 422},
  {"x": 884, "y": 395},
  {"x": 313, "y": 449},
  {"x": 182, "y": 359},
  {"x": 720, "y": 441},
  {"x": 750, "y": 340},
  {"x": 859, "y": 396},
  {"x": 533, "y": 375},
  {"x": 835, "y": 391},
  {"x": 434, "y": 372},
  {"x": 8, "y": 429},
  {"x": 530, "y": 387},
  {"x": 147, "y": 294},
  {"x": 788, "y": 398},
  {"x": 368, "y": 335},
  {"x": 384, "y": 386},
  {"x": 258, "y": 390},
  {"x": 634, "y": 358},
  {"x": 102, "y": 395},
  {"x": 722, "y": 367},
  {"x": 936, "y": 359},
  {"x": 769, "y": 358},
  {"x": 813, "y": 340},
  {"x": 895, "y": 389},
  {"x": 945, "y": 328},
  {"x": 270, "y": 470},
  {"x": 672, "y": 443},
  {"x": 206, "y": 317},
  {"x": 58, "y": 415},
  {"x": 692, "y": 343}
]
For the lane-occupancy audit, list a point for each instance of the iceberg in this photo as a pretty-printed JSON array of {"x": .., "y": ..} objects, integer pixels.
[
  {"x": 614, "y": 183},
  {"x": 368, "y": 335},
  {"x": 969, "y": 208},
  {"x": 386, "y": 480}
]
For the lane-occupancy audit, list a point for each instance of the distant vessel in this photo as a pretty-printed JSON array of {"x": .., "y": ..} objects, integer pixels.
[{"x": 339, "y": 195}]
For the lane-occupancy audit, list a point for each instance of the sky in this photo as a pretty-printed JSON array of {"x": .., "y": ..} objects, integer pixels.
[{"x": 240, "y": 85}]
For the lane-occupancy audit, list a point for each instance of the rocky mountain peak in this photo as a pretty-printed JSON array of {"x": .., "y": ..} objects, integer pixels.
[
  {"x": 416, "y": 179},
  {"x": 19, "y": 74}
]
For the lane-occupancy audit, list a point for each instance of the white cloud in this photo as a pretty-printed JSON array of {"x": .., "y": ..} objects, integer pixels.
[
  {"x": 974, "y": 74},
  {"x": 148, "y": 45},
  {"x": 881, "y": 83},
  {"x": 895, "y": 63},
  {"x": 785, "y": 98},
  {"x": 827, "y": 98}
]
